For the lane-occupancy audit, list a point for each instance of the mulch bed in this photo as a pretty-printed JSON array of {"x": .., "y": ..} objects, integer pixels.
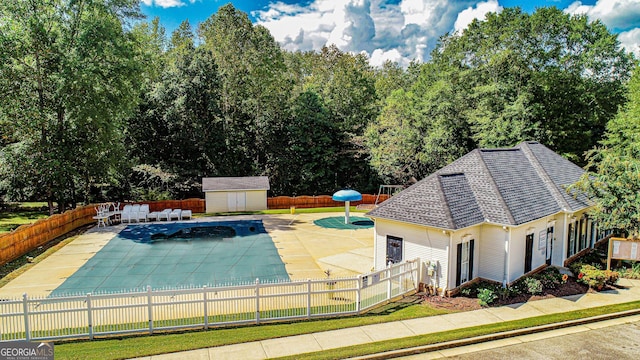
[{"x": 462, "y": 303}]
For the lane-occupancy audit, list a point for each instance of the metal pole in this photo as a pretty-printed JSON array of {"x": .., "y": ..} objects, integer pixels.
[
  {"x": 359, "y": 288},
  {"x": 346, "y": 212}
]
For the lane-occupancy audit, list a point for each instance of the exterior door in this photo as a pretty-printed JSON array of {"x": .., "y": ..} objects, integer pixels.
[
  {"x": 236, "y": 201},
  {"x": 528, "y": 253},
  {"x": 549, "y": 250}
]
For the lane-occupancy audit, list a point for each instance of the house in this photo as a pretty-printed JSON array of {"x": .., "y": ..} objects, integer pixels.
[
  {"x": 226, "y": 194},
  {"x": 494, "y": 214}
]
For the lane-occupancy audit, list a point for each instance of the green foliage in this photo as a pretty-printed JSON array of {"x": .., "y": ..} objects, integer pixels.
[
  {"x": 486, "y": 296},
  {"x": 69, "y": 72},
  {"x": 596, "y": 278},
  {"x": 534, "y": 286},
  {"x": 613, "y": 179}
]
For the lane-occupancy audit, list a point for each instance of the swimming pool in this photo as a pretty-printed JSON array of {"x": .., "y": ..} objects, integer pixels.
[{"x": 178, "y": 255}]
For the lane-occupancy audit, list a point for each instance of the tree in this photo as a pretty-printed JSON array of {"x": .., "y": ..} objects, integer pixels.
[
  {"x": 422, "y": 129},
  {"x": 613, "y": 179},
  {"x": 68, "y": 77},
  {"x": 548, "y": 76},
  {"x": 177, "y": 134},
  {"x": 254, "y": 97}
]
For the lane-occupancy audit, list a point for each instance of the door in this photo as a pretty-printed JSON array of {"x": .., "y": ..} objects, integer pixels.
[
  {"x": 528, "y": 253},
  {"x": 236, "y": 201},
  {"x": 549, "y": 250}
]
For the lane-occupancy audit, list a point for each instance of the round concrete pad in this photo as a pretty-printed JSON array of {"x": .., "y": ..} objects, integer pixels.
[{"x": 337, "y": 222}]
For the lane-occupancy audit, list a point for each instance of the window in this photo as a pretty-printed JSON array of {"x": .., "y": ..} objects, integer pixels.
[
  {"x": 464, "y": 266},
  {"x": 394, "y": 249}
]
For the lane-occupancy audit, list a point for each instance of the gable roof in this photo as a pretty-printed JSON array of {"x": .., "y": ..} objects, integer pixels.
[
  {"x": 509, "y": 186},
  {"x": 235, "y": 183}
]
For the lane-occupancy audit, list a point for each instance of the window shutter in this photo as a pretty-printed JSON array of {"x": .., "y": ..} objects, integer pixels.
[
  {"x": 459, "y": 264},
  {"x": 471, "y": 259}
]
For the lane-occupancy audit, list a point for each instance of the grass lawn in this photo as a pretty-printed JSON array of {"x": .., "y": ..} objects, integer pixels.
[
  {"x": 24, "y": 213},
  {"x": 165, "y": 343}
]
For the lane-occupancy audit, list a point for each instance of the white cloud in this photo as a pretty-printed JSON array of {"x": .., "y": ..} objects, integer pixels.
[
  {"x": 164, "y": 3},
  {"x": 480, "y": 11},
  {"x": 630, "y": 40},
  {"x": 383, "y": 29},
  {"x": 615, "y": 14}
]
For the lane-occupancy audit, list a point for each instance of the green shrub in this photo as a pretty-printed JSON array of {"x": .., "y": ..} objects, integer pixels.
[
  {"x": 534, "y": 286},
  {"x": 596, "y": 278},
  {"x": 486, "y": 296}
]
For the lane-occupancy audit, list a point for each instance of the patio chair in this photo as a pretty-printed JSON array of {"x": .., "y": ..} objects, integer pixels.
[
  {"x": 133, "y": 214},
  {"x": 175, "y": 214},
  {"x": 185, "y": 214},
  {"x": 142, "y": 213},
  {"x": 125, "y": 215},
  {"x": 164, "y": 214}
]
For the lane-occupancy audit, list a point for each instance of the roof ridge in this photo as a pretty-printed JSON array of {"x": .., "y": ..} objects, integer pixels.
[
  {"x": 546, "y": 179},
  {"x": 494, "y": 187},
  {"x": 447, "y": 206}
]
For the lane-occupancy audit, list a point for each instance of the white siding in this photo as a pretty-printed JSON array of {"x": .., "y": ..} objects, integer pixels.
[
  {"x": 517, "y": 247},
  {"x": 491, "y": 256},
  {"x": 427, "y": 244}
]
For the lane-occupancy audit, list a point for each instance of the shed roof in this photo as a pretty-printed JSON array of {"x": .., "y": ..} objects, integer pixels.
[
  {"x": 509, "y": 186},
  {"x": 235, "y": 183}
]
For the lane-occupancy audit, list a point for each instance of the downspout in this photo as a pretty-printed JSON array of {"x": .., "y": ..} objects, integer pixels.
[
  {"x": 446, "y": 288},
  {"x": 507, "y": 238}
]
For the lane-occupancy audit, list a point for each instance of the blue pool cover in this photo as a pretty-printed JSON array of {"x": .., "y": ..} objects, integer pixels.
[{"x": 177, "y": 255}]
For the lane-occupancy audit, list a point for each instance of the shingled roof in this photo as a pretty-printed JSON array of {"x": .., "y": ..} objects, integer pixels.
[
  {"x": 235, "y": 183},
  {"x": 504, "y": 186}
]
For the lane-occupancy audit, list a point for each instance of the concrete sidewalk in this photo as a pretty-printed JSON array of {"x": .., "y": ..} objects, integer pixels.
[{"x": 328, "y": 340}]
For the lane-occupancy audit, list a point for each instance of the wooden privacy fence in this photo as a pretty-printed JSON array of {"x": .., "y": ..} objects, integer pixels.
[
  {"x": 285, "y": 202},
  {"x": 28, "y": 237}
]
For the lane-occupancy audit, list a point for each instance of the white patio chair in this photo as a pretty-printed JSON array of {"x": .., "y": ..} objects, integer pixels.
[
  {"x": 175, "y": 214},
  {"x": 164, "y": 214},
  {"x": 185, "y": 214},
  {"x": 142, "y": 213},
  {"x": 133, "y": 214},
  {"x": 125, "y": 214}
]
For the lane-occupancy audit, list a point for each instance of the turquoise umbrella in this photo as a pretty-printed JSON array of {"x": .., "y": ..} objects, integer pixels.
[{"x": 347, "y": 196}]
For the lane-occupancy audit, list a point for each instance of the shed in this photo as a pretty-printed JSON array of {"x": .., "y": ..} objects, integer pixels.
[{"x": 226, "y": 194}]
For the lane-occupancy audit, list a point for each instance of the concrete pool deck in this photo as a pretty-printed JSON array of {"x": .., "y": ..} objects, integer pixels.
[{"x": 306, "y": 249}]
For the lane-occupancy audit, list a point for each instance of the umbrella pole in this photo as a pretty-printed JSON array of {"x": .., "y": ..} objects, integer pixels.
[{"x": 346, "y": 212}]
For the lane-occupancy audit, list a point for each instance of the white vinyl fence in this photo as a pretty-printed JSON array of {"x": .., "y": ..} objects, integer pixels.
[{"x": 34, "y": 319}]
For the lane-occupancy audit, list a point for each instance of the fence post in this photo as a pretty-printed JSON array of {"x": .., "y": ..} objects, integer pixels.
[
  {"x": 308, "y": 298},
  {"x": 89, "y": 316},
  {"x": 25, "y": 307},
  {"x": 389, "y": 282},
  {"x": 358, "y": 289},
  {"x": 205, "y": 312},
  {"x": 257, "y": 301},
  {"x": 150, "y": 308}
]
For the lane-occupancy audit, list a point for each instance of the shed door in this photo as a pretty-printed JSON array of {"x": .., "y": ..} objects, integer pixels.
[{"x": 236, "y": 201}]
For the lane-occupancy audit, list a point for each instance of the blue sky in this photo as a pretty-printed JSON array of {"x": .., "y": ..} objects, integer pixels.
[{"x": 397, "y": 30}]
